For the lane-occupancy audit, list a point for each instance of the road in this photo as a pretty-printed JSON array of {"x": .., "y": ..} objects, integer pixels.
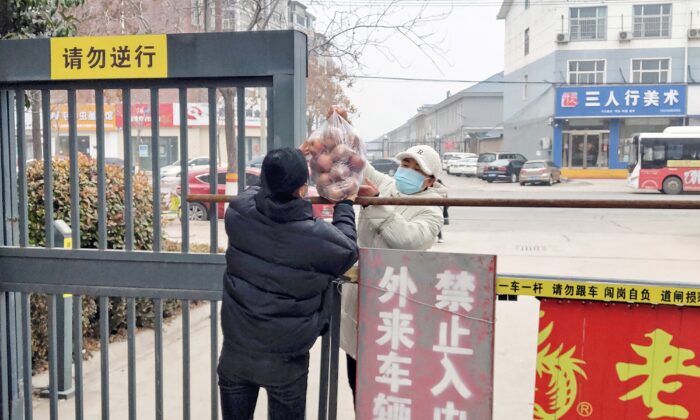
[{"x": 659, "y": 245}]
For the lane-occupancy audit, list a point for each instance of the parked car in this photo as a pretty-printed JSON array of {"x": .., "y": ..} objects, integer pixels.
[
  {"x": 448, "y": 158},
  {"x": 486, "y": 158},
  {"x": 540, "y": 172},
  {"x": 503, "y": 170},
  {"x": 198, "y": 183},
  {"x": 464, "y": 166},
  {"x": 193, "y": 164},
  {"x": 387, "y": 166}
]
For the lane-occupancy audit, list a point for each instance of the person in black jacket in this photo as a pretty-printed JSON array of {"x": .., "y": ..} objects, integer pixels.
[{"x": 279, "y": 263}]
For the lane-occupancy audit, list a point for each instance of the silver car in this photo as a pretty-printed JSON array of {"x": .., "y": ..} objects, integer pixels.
[{"x": 540, "y": 172}]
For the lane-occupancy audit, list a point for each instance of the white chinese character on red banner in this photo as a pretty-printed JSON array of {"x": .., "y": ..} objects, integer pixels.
[
  {"x": 671, "y": 97},
  {"x": 455, "y": 290},
  {"x": 451, "y": 377},
  {"x": 400, "y": 283},
  {"x": 455, "y": 332},
  {"x": 396, "y": 328},
  {"x": 391, "y": 408},
  {"x": 449, "y": 413},
  {"x": 651, "y": 98},
  {"x": 569, "y": 100},
  {"x": 612, "y": 100},
  {"x": 631, "y": 97},
  {"x": 592, "y": 98},
  {"x": 391, "y": 372}
]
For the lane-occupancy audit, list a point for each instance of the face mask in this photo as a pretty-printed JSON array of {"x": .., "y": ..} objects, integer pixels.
[{"x": 408, "y": 181}]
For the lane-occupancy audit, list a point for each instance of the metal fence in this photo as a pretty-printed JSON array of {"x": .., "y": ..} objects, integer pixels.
[{"x": 274, "y": 61}]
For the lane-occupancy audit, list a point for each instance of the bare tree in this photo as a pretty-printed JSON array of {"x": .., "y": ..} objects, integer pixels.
[
  {"x": 325, "y": 88},
  {"x": 346, "y": 32}
]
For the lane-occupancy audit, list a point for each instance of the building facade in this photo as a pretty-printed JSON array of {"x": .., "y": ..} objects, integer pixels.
[
  {"x": 467, "y": 121},
  {"x": 585, "y": 76}
]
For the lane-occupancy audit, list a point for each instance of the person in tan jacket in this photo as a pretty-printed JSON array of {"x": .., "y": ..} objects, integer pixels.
[{"x": 394, "y": 227}]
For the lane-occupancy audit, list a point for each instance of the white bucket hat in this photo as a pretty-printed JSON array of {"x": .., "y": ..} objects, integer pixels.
[{"x": 426, "y": 157}]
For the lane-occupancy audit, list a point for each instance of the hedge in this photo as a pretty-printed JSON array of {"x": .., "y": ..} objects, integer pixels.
[{"x": 143, "y": 240}]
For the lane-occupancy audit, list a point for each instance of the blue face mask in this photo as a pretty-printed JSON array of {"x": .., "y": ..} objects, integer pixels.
[{"x": 408, "y": 181}]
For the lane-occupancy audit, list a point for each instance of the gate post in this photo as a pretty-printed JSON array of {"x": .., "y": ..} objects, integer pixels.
[
  {"x": 10, "y": 374},
  {"x": 289, "y": 104}
]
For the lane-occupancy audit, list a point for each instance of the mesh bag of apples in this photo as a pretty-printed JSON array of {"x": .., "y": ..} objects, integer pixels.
[{"x": 337, "y": 158}]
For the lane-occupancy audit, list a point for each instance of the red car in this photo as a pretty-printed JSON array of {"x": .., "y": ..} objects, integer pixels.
[{"x": 199, "y": 184}]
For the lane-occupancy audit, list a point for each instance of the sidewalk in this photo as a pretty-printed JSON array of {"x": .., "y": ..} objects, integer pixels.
[{"x": 200, "y": 366}]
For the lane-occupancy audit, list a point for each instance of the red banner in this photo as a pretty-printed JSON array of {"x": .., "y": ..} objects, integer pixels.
[
  {"x": 617, "y": 361},
  {"x": 141, "y": 115},
  {"x": 425, "y": 335}
]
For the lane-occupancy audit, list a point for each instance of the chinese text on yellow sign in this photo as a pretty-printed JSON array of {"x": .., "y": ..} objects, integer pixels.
[
  {"x": 599, "y": 291},
  {"x": 109, "y": 57}
]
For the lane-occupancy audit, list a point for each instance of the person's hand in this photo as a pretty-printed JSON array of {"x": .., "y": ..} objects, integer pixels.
[
  {"x": 368, "y": 189},
  {"x": 352, "y": 197},
  {"x": 305, "y": 148},
  {"x": 340, "y": 110}
]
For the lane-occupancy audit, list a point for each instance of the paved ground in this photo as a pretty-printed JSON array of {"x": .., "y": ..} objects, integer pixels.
[{"x": 657, "y": 245}]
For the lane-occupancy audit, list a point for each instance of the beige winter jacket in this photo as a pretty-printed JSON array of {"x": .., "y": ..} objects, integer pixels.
[{"x": 392, "y": 227}]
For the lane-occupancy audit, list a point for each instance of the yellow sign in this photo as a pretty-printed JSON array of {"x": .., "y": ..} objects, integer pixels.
[
  {"x": 109, "y": 57},
  {"x": 684, "y": 163},
  {"x": 67, "y": 243},
  {"x": 599, "y": 291}
]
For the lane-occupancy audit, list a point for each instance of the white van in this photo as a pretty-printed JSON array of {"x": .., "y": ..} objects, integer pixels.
[{"x": 447, "y": 158}]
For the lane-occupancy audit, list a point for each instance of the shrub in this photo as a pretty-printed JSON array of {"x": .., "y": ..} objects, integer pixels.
[{"x": 116, "y": 230}]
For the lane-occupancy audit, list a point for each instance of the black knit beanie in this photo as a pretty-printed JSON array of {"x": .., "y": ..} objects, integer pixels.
[{"x": 283, "y": 171}]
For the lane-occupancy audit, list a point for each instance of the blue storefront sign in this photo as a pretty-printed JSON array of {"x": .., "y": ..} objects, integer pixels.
[{"x": 621, "y": 101}]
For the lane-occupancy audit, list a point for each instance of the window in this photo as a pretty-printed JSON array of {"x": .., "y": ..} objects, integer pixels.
[
  {"x": 657, "y": 152},
  {"x": 652, "y": 20},
  {"x": 586, "y": 72},
  {"x": 527, "y": 41},
  {"x": 651, "y": 70},
  {"x": 525, "y": 86},
  {"x": 587, "y": 23},
  {"x": 527, "y": 4},
  {"x": 301, "y": 20}
]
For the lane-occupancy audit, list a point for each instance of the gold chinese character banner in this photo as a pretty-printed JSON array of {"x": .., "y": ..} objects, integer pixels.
[
  {"x": 109, "y": 57},
  {"x": 599, "y": 291},
  {"x": 615, "y": 361}
]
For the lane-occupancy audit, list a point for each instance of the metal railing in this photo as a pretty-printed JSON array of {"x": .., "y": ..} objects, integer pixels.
[
  {"x": 107, "y": 273},
  {"x": 132, "y": 274}
]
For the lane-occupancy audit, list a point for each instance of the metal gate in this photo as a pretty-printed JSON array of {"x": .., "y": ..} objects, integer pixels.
[{"x": 275, "y": 61}]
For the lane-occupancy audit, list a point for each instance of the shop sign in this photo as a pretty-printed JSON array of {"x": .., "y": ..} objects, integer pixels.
[
  {"x": 599, "y": 291},
  {"x": 86, "y": 118},
  {"x": 141, "y": 115},
  {"x": 620, "y": 101},
  {"x": 109, "y": 57},
  {"x": 616, "y": 361},
  {"x": 425, "y": 340},
  {"x": 198, "y": 114}
]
